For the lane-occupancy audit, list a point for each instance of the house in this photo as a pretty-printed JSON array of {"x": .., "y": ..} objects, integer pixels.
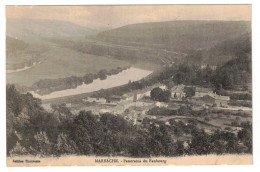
[
  {"x": 47, "y": 107},
  {"x": 114, "y": 99},
  {"x": 94, "y": 100},
  {"x": 68, "y": 105},
  {"x": 161, "y": 104},
  {"x": 143, "y": 104},
  {"x": 204, "y": 96},
  {"x": 89, "y": 99},
  {"x": 208, "y": 100},
  {"x": 177, "y": 92},
  {"x": 105, "y": 110},
  {"x": 167, "y": 123},
  {"x": 163, "y": 87},
  {"x": 210, "y": 66},
  {"x": 101, "y": 100},
  {"x": 203, "y": 101},
  {"x": 222, "y": 101},
  {"x": 200, "y": 92},
  {"x": 139, "y": 94}
]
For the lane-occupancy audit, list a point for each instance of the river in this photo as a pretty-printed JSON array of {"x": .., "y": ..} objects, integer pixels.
[
  {"x": 22, "y": 69},
  {"x": 122, "y": 78}
]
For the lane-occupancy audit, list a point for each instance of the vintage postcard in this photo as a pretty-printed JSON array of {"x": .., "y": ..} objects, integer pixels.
[{"x": 141, "y": 85}]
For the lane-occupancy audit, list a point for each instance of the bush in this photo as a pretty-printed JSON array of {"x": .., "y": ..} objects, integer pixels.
[
  {"x": 161, "y": 111},
  {"x": 207, "y": 119},
  {"x": 234, "y": 123},
  {"x": 228, "y": 128},
  {"x": 238, "y": 118}
]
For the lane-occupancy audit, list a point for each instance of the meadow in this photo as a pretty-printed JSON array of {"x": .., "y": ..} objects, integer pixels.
[{"x": 60, "y": 62}]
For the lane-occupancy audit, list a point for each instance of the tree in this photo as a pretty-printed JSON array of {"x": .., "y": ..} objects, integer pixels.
[
  {"x": 64, "y": 145},
  {"x": 200, "y": 144},
  {"x": 245, "y": 135},
  {"x": 179, "y": 78},
  {"x": 184, "y": 110},
  {"x": 84, "y": 127},
  {"x": 42, "y": 144},
  {"x": 156, "y": 93},
  {"x": 18, "y": 150},
  {"x": 190, "y": 91},
  {"x": 160, "y": 95},
  {"x": 102, "y": 74}
]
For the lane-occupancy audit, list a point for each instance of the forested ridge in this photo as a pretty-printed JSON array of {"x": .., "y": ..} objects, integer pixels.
[{"x": 176, "y": 35}]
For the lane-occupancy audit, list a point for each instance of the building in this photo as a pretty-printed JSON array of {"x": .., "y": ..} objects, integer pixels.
[
  {"x": 140, "y": 94},
  {"x": 203, "y": 101},
  {"x": 163, "y": 87},
  {"x": 94, "y": 100},
  {"x": 177, "y": 92},
  {"x": 200, "y": 92},
  {"x": 210, "y": 66},
  {"x": 161, "y": 104},
  {"x": 222, "y": 101},
  {"x": 114, "y": 99},
  {"x": 68, "y": 105},
  {"x": 206, "y": 96},
  {"x": 128, "y": 104}
]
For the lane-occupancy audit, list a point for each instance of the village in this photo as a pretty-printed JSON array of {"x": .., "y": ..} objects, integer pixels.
[{"x": 207, "y": 109}]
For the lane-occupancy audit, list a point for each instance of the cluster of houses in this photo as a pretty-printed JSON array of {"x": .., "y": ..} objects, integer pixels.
[
  {"x": 140, "y": 98},
  {"x": 134, "y": 105},
  {"x": 203, "y": 96},
  {"x": 208, "y": 97}
]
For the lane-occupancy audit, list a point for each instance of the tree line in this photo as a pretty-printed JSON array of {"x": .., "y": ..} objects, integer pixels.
[
  {"x": 46, "y": 86},
  {"x": 235, "y": 73}
]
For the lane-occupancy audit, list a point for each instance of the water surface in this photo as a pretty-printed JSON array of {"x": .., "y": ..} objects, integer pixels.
[{"x": 122, "y": 78}]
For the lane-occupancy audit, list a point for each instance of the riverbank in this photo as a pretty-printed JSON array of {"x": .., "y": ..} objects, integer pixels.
[
  {"x": 122, "y": 78},
  {"x": 22, "y": 69}
]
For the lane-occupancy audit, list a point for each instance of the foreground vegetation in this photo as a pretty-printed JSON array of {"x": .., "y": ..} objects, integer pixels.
[{"x": 33, "y": 131}]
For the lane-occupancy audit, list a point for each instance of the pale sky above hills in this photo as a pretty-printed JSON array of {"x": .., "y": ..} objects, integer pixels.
[{"x": 115, "y": 16}]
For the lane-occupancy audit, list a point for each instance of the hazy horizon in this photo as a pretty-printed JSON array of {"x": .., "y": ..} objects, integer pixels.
[{"x": 117, "y": 16}]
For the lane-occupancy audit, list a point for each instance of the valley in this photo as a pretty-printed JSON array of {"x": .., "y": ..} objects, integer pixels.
[{"x": 161, "y": 88}]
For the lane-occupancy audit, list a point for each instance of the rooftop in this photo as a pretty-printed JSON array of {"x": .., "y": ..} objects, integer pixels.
[{"x": 203, "y": 90}]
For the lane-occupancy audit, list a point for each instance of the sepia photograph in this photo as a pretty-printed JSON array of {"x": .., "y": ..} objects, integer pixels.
[{"x": 120, "y": 85}]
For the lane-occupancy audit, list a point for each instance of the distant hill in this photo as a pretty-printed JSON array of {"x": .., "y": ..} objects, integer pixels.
[
  {"x": 33, "y": 29},
  {"x": 13, "y": 44},
  {"x": 236, "y": 73},
  {"x": 232, "y": 48},
  {"x": 223, "y": 51},
  {"x": 177, "y": 35}
]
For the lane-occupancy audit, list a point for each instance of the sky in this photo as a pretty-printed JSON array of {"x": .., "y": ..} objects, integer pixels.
[{"x": 116, "y": 16}]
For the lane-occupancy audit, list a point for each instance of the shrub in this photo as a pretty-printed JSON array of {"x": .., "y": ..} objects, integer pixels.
[{"x": 207, "y": 119}]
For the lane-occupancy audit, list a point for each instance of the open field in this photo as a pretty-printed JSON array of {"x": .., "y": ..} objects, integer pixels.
[{"x": 63, "y": 62}]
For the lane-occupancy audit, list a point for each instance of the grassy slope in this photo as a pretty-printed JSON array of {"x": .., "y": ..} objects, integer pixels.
[
  {"x": 56, "y": 61},
  {"x": 33, "y": 29},
  {"x": 62, "y": 62}
]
